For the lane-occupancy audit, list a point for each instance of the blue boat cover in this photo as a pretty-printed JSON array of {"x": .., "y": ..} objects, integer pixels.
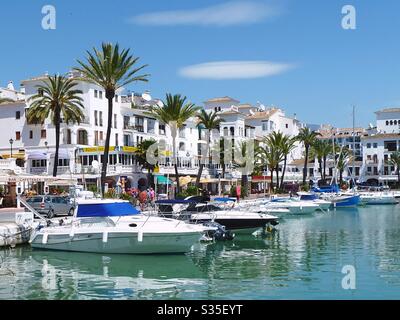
[
  {"x": 326, "y": 189},
  {"x": 114, "y": 209},
  {"x": 225, "y": 199},
  {"x": 174, "y": 201}
]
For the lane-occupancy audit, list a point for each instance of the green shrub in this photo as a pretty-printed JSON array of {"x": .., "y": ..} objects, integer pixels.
[{"x": 192, "y": 191}]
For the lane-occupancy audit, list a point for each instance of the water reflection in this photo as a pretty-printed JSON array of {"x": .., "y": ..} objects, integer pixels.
[{"x": 303, "y": 259}]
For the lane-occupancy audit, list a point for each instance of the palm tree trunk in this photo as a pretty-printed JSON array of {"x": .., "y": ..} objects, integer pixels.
[
  {"x": 272, "y": 180},
  {"x": 150, "y": 178},
  {"x": 324, "y": 173},
  {"x": 277, "y": 177},
  {"x": 57, "y": 125},
  {"x": 398, "y": 175},
  {"x": 284, "y": 170},
  {"x": 199, "y": 175},
  {"x": 320, "y": 167},
  {"x": 305, "y": 166},
  {"x": 341, "y": 176},
  {"x": 110, "y": 97},
  {"x": 175, "y": 164}
]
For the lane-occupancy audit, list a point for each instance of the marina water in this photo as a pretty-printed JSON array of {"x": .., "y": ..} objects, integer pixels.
[{"x": 302, "y": 259}]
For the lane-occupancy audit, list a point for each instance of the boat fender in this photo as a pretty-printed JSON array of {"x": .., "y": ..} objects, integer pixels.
[
  {"x": 72, "y": 233},
  {"x": 140, "y": 236},
  {"x": 105, "y": 237},
  {"x": 45, "y": 237}
]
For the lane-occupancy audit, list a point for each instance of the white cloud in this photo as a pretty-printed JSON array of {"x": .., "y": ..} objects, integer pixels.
[
  {"x": 226, "y": 14},
  {"x": 223, "y": 70}
]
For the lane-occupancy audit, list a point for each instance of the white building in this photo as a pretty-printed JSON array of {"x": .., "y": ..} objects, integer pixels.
[{"x": 377, "y": 147}]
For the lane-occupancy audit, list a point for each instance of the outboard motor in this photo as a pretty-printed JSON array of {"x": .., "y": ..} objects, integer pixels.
[{"x": 220, "y": 234}]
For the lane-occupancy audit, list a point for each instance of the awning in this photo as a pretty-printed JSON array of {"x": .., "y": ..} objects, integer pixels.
[
  {"x": 62, "y": 154},
  {"x": 18, "y": 155},
  {"x": 183, "y": 181},
  {"x": 37, "y": 156},
  {"x": 163, "y": 180}
]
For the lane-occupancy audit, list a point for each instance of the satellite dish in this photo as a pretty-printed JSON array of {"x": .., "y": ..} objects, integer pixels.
[
  {"x": 95, "y": 164},
  {"x": 251, "y": 112},
  {"x": 146, "y": 96}
]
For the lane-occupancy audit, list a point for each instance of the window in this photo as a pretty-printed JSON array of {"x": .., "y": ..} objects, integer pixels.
[
  {"x": 96, "y": 122},
  {"x": 95, "y": 93},
  {"x": 18, "y": 115},
  {"x": 265, "y": 126},
  {"x": 69, "y": 136},
  {"x": 387, "y": 123},
  {"x": 116, "y": 140},
  {"x": 101, "y": 94},
  {"x": 30, "y": 134},
  {"x": 395, "y": 122},
  {"x": 391, "y": 122},
  {"x": 115, "y": 121},
  {"x": 96, "y": 138},
  {"x": 368, "y": 145},
  {"x": 18, "y": 135},
  {"x": 287, "y": 126},
  {"x": 116, "y": 98},
  {"x": 375, "y": 145},
  {"x": 161, "y": 129},
  {"x": 101, "y": 136},
  {"x": 101, "y": 118},
  {"x": 181, "y": 146},
  {"x": 43, "y": 134}
]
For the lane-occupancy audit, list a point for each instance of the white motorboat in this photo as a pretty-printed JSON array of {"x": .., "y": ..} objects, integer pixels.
[
  {"x": 313, "y": 197},
  {"x": 115, "y": 226},
  {"x": 368, "y": 198},
  {"x": 232, "y": 219},
  {"x": 293, "y": 205}
]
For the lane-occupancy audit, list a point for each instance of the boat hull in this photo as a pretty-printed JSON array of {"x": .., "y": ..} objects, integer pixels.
[
  {"x": 346, "y": 201},
  {"x": 244, "y": 226},
  {"x": 122, "y": 243}
]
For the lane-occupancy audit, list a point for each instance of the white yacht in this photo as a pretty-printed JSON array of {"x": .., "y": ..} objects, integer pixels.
[
  {"x": 368, "y": 198},
  {"x": 295, "y": 206},
  {"x": 115, "y": 226}
]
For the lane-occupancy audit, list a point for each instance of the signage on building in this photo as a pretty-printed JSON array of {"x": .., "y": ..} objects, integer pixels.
[{"x": 97, "y": 149}]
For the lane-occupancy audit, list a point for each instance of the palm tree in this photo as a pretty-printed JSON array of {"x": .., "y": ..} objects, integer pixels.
[
  {"x": 141, "y": 158},
  {"x": 342, "y": 160},
  {"x": 208, "y": 121},
  {"x": 395, "y": 161},
  {"x": 56, "y": 97},
  {"x": 174, "y": 113},
  {"x": 308, "y": 138},
  {"x": 274, "y": 142},
  {"x": 321, "y": 150},
  {"x": 5, "y": 100},
  {"x": 243, "y": 150},
  {"x": 110, "y": 69},
  {"x": 287, "y": 146}
]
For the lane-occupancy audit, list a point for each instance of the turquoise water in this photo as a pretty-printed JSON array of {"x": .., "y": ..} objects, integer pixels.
[{"x": 303, "y": 259}]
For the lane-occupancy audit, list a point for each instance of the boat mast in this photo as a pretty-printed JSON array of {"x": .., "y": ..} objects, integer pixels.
[{"x": 353, "y": 173}]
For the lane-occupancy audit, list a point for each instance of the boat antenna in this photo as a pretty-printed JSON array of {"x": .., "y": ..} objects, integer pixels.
[{"x": 353, "y": 175}]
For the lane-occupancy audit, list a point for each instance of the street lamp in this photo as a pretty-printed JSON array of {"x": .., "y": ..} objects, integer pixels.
[{"x": 11, "y": 143}]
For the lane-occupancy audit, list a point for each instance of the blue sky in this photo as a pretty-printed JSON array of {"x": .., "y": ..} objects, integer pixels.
[{"x": 300, "y": 57}]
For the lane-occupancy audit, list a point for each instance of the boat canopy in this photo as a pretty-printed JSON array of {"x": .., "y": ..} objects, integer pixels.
[
  {"x": 225, "y": 199},
  {"x": 325, "y": 189},
  {"x": 113, "y": 209},
  {"x": 307, "y": 196}
]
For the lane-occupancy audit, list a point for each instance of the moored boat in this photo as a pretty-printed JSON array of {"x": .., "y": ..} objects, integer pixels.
[{"x": 115, "y": 226}]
